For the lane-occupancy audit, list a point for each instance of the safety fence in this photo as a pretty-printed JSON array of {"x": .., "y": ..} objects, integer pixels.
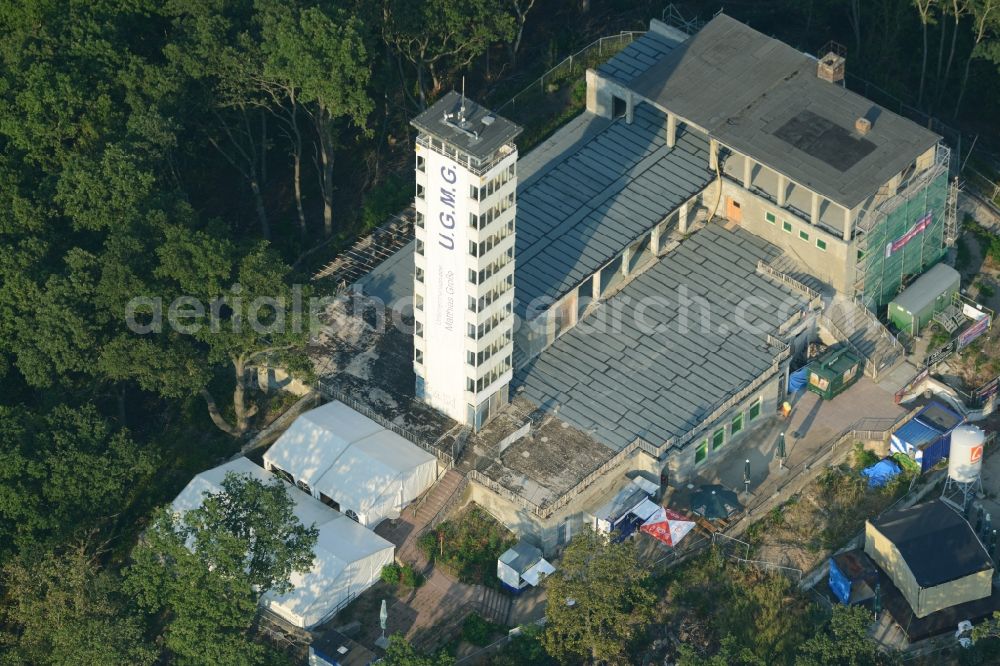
[
  {"x": 572, "y": 66},
  {"x": 868, "y": 429}
]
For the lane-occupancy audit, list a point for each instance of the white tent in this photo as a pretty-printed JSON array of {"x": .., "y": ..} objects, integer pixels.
[
  {"x": 316, "y": 438},
  {"x": 348, "y": 558},
  {"x": 346, "y": 459}
]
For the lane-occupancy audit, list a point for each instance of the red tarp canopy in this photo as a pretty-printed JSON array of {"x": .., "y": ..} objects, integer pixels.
[{"x": 668, "y": 526}]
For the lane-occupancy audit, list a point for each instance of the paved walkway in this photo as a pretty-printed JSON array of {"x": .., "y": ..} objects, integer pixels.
[{"x": 813, "y": 424}]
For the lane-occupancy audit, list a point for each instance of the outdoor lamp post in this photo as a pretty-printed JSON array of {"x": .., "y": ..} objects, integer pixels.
[
  {"x": 746, "y": 476},
  {"x": 781, "y": 451}
]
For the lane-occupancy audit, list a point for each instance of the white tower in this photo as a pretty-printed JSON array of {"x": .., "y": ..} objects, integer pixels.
[{"x": 465, "y": 204}]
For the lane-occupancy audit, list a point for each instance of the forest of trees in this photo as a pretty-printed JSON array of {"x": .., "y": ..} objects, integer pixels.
[{"x": 222, "y": 151}]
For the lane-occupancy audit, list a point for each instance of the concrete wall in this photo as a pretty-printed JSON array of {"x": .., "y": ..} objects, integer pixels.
[
  {"x": 549, "y": 534},
  {"x": 269, "y": 379},
  {"x": 834, "y": 266},
  {"x": 681, "y": 462}
]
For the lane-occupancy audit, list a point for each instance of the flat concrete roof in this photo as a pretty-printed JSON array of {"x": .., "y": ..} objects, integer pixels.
[
  {"x": 592, "y": 198},
  {"x": 480, "y": 134},
  {"x": 638, "y": 366},
  {"x": 762, "y": 98}
]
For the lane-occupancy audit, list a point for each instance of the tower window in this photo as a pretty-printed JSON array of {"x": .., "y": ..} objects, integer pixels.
[
  {"x": 418, "y": 355},
  {"x": 420, "y": 191},
  {"x": 419, "y": 274},
  {"x": 421, "y": 163},
  {"x": 419, "y": 220}
]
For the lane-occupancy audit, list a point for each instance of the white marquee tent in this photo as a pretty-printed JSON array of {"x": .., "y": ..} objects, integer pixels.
[
  {"x": 348, "y": 557},
  {"x": 345, "y": 459}
]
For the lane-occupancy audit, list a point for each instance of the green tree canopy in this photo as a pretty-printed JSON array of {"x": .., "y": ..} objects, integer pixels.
[
  {"x": 62, "y": 609},
  {"x": 203, "y": 573},
  {"x": 64, "y": 474},
  {"x": 598, "y": 601}
]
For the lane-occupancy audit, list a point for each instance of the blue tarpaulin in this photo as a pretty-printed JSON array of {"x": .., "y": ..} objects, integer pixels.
[
  {"x": 797, "y": 380},
  {"x": 840, "y": 585},
  {"x": 881, "y": 473}
]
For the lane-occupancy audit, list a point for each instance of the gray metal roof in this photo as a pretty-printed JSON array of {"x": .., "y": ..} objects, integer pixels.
[
  {"x": 763, "y": 98},
  {"x": 926, "y": 288},
  {"x": 521, "y": 556},
  {"x": 637, "y": 57},
  {"x": 482, "y": 133},
  {"x": 586, "y": 205},
  {"x": 625, "y": 381}
]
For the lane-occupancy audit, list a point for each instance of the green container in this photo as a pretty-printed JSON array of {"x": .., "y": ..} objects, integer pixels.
[
  {"x": 931, "y": 293},
  {"x": 833, "y": 372}
]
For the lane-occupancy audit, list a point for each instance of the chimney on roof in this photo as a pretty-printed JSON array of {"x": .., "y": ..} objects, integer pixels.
[
  {"x": 832, "y": 64},
  {"x": 862, "y": 126}
]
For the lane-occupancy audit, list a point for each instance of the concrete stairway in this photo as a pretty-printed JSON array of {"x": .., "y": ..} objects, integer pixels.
[
  {"x": 850, "y": 323},
  {"x": 494, "y": 605},
  {"x": 791, "y": 267},
  {"x": 419, "y": 516}
]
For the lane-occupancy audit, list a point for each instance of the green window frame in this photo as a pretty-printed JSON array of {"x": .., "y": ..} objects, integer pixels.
[
  {"x": 821, "y": 244},
  {"x": 861, "y": 255},
  {"x": 804, "y": 235},
  {"x": 770, "y": 217},
  {"x": 786, "y": 226},
  {"x": 718, "y": 438},
  {"x": 753, "y": 411},
  {"x": 736, "y": 425},
  {"x": 701, "y": 452}
]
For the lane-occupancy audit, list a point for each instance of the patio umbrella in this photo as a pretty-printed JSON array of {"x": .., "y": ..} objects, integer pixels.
[
  {"x": 715, "y": 502},
  {"x": 668, "y": 526}
]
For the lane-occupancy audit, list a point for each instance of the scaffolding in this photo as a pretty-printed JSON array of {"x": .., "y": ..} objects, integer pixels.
[
  {"x": 906, "y": 234},
  {"x": 369, "y": 251}
]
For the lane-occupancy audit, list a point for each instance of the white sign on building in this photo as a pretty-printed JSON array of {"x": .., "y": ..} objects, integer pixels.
[{"x": 446, "y": 250}]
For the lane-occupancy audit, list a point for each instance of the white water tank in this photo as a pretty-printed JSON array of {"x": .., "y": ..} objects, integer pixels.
[{"x": 965, "y": 462}]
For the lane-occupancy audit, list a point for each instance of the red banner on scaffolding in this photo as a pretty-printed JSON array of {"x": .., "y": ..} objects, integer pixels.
[{"x": 898, "y": 244}]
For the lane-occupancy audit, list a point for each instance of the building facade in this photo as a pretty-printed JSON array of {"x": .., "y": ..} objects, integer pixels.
[{"x": 465, "y": 202}]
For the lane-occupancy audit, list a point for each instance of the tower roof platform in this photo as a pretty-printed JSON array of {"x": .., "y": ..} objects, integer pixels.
[{"x": 478, "y": 131}]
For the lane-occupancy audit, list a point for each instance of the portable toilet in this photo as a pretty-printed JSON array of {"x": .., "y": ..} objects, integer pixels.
[
  {"x": 931, "y": 293},
  {"x": 833, "y": 372}
]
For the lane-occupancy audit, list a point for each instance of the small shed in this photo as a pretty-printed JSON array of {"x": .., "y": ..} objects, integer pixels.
[
  {"x": 629, "y": 509},
  {"x": 926, "y": 438},
  {"x": 522, "y": 565},
  {"x": 929, "y": 294},
  {"x": 834, "y": 372},
  {"x": 932, "y": 554}
]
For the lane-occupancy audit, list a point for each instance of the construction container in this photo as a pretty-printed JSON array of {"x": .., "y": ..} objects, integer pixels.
[
  {"x": 931, "y": 293},
  {"x": 833, "y": 372}
]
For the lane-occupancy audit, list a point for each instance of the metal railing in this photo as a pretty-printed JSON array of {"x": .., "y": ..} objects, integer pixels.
[
  {"x": 815, "y": 299},
  {"x": 331, "y": 392},
  {"x": 581, "y": 59},
  {"x": 867, "y": 429}
]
